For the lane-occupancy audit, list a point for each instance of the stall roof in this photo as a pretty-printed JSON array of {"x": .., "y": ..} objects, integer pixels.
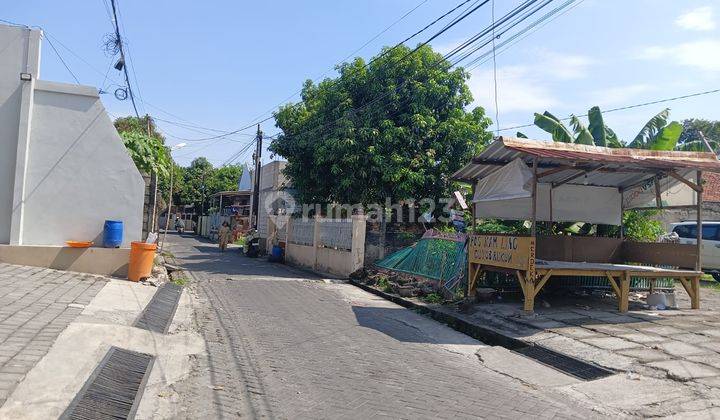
[
  {"x": 232, "y": 193},
  {"x": 589, "y": 165}
]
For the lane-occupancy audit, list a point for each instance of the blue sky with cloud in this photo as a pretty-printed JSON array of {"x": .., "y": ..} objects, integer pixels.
[{"x": 222, "y": 64}]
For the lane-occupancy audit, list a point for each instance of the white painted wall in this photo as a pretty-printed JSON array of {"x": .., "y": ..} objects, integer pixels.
[
  {"x": 79, "y": 172},
  {"x": 13, "y": 60},
  {"x": 63, "y": 168}
]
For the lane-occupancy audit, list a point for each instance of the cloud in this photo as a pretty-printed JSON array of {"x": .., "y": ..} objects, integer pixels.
[
  {"x": 701, "y": 54},
  {"x": 563, "y": 66},
  {"x": 619, "y": 95},
  {"x": 528, "y": 88},
  {"x": 518, "y": 90},
  {"x": 700, "y": 19}
]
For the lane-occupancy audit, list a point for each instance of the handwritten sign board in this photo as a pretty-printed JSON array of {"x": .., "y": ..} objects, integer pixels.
[{"x": 515, "y": 252}]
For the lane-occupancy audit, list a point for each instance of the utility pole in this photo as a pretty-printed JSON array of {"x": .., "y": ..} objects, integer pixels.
[
  {"x": 154, "y": 186},
  {"x": 256, "y": 187}
]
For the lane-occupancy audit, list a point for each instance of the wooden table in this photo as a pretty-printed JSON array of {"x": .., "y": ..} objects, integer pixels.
[{"x": 618, "y": 275}]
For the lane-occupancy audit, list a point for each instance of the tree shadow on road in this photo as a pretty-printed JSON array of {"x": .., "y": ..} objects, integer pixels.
[
  {"x": 407, "y": 326},
  {"x": 210, "y": 260}
]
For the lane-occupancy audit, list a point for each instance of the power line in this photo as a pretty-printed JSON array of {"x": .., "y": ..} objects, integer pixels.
[
  {"x": 197, "y": 128},
  {"x": 51, "y": 46},
  {"x": 497, "y": 108},
  {"x": 516, "y": 20},
  {"x": 426, "y": 27},
  {"x": 622, "y": 108},
  {"x": 122, "y": 56},
  {"x": 130, "y": 58},
  {"x": 63, "y": 61},
  {"x": 527, "y": 31},
  {"x": 447, "y": 27},
  {"x": 405, "y": 82}
]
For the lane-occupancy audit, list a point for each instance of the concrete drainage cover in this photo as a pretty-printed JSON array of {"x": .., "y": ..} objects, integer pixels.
[
  {"x": 115, "y": 387},
  {"x": 159, "y": 313},
  {"x": 564, "y": 363}
]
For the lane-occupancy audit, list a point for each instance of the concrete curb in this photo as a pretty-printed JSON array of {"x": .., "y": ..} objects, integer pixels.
[{"x": 485, "y": 335}]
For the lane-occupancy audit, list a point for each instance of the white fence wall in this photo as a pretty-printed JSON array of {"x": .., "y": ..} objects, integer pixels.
[{"x": 330, "y": 246}]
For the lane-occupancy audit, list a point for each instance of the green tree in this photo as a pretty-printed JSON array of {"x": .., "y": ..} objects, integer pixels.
[
  {"x": 145, "y": 144},
  {"x": 690, "y": 138},
  {"x": 226, "y": 178},
  {"x": 656, "y": 134},
  {"x": 395, "y": 128},
  {"x": 196, "y": 180}
]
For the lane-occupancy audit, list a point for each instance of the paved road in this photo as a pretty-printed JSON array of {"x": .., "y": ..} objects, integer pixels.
[
  {"x": 282, "y": 344},
  {"x": 36, "y": 304}
]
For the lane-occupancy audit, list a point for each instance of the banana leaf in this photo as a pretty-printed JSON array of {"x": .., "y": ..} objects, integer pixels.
[
  {"x": 597, "y": 127},
  {"x": 667, "y": 137},
  {"x": 650, "y": 129},
  {"x": 551, "y": 124},
  {"x": 583, "y": 134}
]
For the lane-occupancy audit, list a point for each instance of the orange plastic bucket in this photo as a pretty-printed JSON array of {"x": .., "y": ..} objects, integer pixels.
[{"x": 142, "y": 256}]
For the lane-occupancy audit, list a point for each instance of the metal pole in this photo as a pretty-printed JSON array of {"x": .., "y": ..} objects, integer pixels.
[
  {"x": 167, "y": 216},
  {"x": 707, "y": 144},
  {"x": 698, "y": 182},
  {"x": 153, "y": 221},
  {"x": 256, "y": 193}
]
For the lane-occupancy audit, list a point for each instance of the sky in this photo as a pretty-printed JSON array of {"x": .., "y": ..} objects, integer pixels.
[{"x": 223, "y": 65}]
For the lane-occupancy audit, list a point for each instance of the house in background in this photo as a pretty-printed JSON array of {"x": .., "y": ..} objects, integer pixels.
[
  {"x": 64, "y": 169},
  {"x": 711, "y": 204}
]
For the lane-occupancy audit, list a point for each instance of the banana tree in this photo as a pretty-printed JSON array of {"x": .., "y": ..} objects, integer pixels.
[
  {"x": 597, "y": 133},
  {"x": 656, "y": 134}
]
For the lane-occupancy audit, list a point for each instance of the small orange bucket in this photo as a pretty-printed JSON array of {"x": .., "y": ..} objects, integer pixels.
[{"x": 142, "y": 256}]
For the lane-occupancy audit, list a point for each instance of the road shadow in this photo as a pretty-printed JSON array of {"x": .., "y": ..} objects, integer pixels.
[
  {"x": 233, "y": 262},
  {"x": 399, "y": 323}
]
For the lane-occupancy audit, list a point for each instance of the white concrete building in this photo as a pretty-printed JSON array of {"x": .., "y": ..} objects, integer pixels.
[{"x": 63, "y": 167}]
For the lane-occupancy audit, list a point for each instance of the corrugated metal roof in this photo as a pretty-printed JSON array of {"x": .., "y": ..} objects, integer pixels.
[{"x": 602, "y": 166}]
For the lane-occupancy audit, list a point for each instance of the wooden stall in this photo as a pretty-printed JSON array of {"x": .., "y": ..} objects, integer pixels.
[{"x": 521, "y": 179}]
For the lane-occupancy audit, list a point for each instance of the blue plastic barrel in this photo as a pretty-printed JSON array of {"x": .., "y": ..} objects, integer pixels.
[{"x": 113, "y": 233}]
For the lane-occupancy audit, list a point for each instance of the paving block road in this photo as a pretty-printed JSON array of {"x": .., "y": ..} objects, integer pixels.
[
  {"x": 285, "y": 344},
  {"x": 36, "y": 304}
]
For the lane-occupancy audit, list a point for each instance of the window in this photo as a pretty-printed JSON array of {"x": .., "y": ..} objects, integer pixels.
[
  {"x": 685, "y": 231},
  {"x": 710, "y": 232}
]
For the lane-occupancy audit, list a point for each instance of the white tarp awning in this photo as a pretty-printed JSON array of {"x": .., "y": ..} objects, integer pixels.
[
  {"x": 672, "y": 193},
  {"x": 507, "y": 194},
  {"x": 513, "y": 180}
]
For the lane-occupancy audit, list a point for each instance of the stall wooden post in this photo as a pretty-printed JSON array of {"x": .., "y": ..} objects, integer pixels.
[
  {"x": 533, "y": 229},
  {"x": 624, "y": 298},
  {"x": 695, "y": 298},
  {"x": 698, "y": 182},
  {"x": 472, "y": 206},
  {"x": 622, "y": 225}
]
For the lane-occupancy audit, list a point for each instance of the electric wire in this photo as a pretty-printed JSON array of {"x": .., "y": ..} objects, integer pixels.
[
  {"x": 324, "y": 127},
  {"x": 122, "y": 56},
  {"x": 525, "y": 32},
  {"x": 497, "y": 109},
  {"x": 382, "y": 54},
  {"x": 63, "y": 61},
  {"x": 626, "y": 107}
]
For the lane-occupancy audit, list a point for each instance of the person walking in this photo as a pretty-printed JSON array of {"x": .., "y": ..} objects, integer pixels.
[{"x": 223, "y": 236}]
